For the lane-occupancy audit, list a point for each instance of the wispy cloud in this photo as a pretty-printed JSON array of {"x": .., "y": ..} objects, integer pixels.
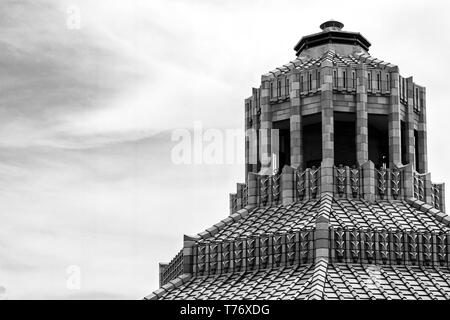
[{"x": 86, "y": 176}]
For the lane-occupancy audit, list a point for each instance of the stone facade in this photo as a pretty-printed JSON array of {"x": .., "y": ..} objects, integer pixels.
[
  {"x": 337, "y": 202},
  {"x": 340, "y": 79}
]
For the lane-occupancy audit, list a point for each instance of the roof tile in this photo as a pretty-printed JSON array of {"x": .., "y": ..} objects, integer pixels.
[{"x": 322, "y": 279}]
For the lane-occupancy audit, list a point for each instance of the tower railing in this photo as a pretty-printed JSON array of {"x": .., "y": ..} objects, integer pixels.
[
  {"x": 262, "y": 251},
  {"x": 366, "y": 181},
  {"x": 393, "y": 246},
  {"x": 437, "y": 196},
  {"x": 171, "y": 270}
]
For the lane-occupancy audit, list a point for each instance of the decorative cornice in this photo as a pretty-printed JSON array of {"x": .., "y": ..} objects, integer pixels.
[
  {"x": 331, "y": 36},
  {"x": 358, "y": 182},
  {"x": 396, "y": 247},
  {"x": 265, "y": 251}
]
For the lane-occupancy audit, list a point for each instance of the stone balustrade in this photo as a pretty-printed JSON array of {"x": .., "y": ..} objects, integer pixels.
[
  {"x": 171, "y": 270},
  {"x": 262, "y": 251},
  {"x": 389, "y": 247},
  {"x": 365, "y": 181}
]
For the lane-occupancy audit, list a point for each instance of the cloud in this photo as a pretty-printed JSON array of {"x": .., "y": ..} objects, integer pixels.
[
  {"x": 86, "y": 116},
  {"x": 52, "y": 73}
]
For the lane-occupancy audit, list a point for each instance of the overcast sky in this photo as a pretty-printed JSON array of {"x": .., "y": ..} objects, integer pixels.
[{"x": 86, "y": 116}]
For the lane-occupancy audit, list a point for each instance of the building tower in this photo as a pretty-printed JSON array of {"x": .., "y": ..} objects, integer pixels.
[{"x": 338, "y": 202}]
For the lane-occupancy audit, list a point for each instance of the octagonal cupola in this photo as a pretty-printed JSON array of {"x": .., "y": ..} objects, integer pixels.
[{"x": 334, "y": 38}]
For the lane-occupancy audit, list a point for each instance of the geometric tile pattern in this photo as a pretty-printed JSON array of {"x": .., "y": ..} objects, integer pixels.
[
  {"x": 396, "y": 215},
  {"x": 341, "y": 282},
  {"x": 346, "y": 213},
  {"x": 270, "y": 220},
  {"x": 280, "y": 283},
  {"x": 270, "y": 250},
  {"x": 389, "y": 247},
  {"x": 355, "y": 281}
]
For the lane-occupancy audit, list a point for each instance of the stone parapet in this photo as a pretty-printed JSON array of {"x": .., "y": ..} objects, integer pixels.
[
  {"x": 263, "y": 251},
  {"x": 389, "y": 247},
  {"x": 171, "y": 270},
  {"x": 357, "y": 182}
]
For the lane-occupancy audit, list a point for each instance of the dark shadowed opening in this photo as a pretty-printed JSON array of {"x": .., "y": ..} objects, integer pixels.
[
  {"x": 404, "y": 141},
  {"x": 416, "y": 151},
  {"x": 344, "y": 138},
  {"x": 284, "y": 142},
  {"x": 378, "y": 139},
  {"x": 312, "y": 140}
]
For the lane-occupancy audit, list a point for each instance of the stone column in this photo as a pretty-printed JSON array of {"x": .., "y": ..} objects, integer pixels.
[
  {"x": 265, "y": 131},
  {"x": 252, "y": 190},
  {"x": 247, "y": 126},
  {"x": 275, "y": 148},
  {"x": 251, "y": 145},
  {"x": 251, "y": 137},
  {"x": 287, "y": 185},
  {"x": 408, "y": 181},
  {"x": 368, "y": 179},
  {"x": 427, "y": 188},
  {"x": 162, "y": 268},
  {"x": 188, "y": 253},
  {"x": 410, "y": 147},
  {"x": 232, "y": 201},
  {"x": 239, "y": 195},
  {"x": 362, "y": 136},
  {"x": 394, "y": 128},
  {"x": 296, "y": 123},
  {"x": 322, "y": 238},
  {"x": 326, "y": 100},
  {"x": 422, "y": 132}
]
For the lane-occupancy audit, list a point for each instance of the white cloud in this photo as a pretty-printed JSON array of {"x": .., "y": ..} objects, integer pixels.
[{"x": 85, "y": 178}]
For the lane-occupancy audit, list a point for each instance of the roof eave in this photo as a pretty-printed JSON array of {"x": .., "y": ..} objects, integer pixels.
[{"x": 332, "y": 36}]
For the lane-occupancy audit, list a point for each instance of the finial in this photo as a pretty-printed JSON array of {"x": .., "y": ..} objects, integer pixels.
[{"x": 331, "y": 25}]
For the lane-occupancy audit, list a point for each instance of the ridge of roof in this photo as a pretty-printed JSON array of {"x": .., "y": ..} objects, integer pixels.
[
  {"x": 427, "y": 208},
  {"x": 318, "y": 280},
  {"x": 368, "y": 59},
  {"x": 325, "y": 205}
]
